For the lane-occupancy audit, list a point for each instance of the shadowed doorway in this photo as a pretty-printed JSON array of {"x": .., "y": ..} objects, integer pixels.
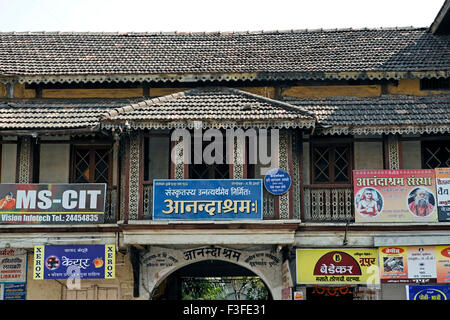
[{"x": 212, "y": 280}]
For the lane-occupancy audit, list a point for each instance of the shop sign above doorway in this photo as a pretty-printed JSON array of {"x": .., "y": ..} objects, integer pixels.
[{"x": 207, "y": 199}]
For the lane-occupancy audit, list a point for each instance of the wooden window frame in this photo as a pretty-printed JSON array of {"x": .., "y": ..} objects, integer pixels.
[
  {"x": 91, "y": 147},
  {"x": 332, "y": 144},
  {"x": 143, "y": 157},
  {"x": 423, "y": 143}
]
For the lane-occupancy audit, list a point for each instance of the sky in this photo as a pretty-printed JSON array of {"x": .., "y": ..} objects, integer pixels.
[{"x": 212, "y": 15}]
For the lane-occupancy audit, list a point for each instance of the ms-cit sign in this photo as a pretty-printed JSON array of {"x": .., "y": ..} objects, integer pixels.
[{"x": 52, "y": 203}]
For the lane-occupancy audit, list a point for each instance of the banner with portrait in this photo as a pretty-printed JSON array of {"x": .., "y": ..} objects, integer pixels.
[{"x": 395, "y": 195}]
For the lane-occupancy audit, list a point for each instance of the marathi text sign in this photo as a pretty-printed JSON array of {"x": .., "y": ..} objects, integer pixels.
[
  {"x": 432, "y": 293},
  {"x": 13, "y": 264},
  {"x": 214, "y": 199},
  {"x": 415, "y": 264},
  {"x": 13, "y": 291},
  {"x": 52, "y": 203},
  {"x": 74, "y": 262},
  {"x": 336, "y": 266},
  {"x": 395, "y": 195},
  {"x": 443, "y": 193}
]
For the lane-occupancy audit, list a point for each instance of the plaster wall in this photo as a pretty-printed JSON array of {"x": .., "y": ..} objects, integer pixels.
[
  {"x": 9, "y": 158},
  {"x": 411, "y": 155},
  {"x": 368, "y": 155},
  {"x": 54, "y": 163}
]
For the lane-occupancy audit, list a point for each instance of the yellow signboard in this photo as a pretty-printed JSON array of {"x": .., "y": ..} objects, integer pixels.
[{"x": 337, "y": 266}]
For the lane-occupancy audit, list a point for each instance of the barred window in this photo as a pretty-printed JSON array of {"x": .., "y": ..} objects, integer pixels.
[
  {"x": 91, "y": 164},
  {"x": 209, "y": 171},
  {"x": 435, "y": 154}
]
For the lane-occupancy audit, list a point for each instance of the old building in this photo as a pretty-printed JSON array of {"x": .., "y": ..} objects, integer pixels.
[{"x": 124, "y": 109}]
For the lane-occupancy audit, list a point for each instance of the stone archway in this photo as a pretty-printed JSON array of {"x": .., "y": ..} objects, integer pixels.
[
  {"x": 158, "y": 263},
  {"x": 230, "y": 277}
]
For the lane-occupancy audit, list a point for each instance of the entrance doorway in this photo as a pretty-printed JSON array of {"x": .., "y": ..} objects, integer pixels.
[{"x": 212, "y": 280}]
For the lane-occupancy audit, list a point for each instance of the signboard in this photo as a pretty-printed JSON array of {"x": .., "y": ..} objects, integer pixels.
[
  {"x": 13, "y": 291},
  {"x": 443, "y": 193},
  {"x": 443, "y": 264},
  {"x": 337, "y": 266},
  {"x": 204, "y": 199},
  {"x": 395, "y": 195},
  {"x": 299, "y": 295},
  {"x": 52, "y": 203},
  {"x": 13, "y": 265},
  {"x": 434, "y": 293},
  {"x": 74, "y": 262},
  {"x": 416, "y": 264},
  {"x": 277, "y": 181}
]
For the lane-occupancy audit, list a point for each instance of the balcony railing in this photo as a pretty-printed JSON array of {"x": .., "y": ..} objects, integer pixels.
[{"x": 328, "y": 203}]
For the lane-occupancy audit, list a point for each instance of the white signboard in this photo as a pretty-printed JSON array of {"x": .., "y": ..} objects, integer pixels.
[{"x": 13, "y": 264}]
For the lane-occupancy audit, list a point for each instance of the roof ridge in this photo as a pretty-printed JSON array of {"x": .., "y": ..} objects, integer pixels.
[
  {"x": 145, "y": 103},
  {"x": 280, "y": 103},
  {"x": 125, "y": 33},
  {"x": 356, "y": 98}
]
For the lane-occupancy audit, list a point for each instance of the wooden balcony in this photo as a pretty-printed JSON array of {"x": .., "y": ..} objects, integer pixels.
[{"x": 328, "y": 203}]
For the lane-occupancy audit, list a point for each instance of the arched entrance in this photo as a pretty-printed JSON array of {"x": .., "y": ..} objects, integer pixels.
[{"x": 212, "y": 280}]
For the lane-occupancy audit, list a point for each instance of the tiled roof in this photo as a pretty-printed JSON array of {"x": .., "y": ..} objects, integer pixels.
[
  {"x": 227, "y": 107},
  {"x": 54, "y": 113},
  {"x": 211, "y": 105},
  {"x": 303, "y": 54},
  {"x": 395, "y": 111}
]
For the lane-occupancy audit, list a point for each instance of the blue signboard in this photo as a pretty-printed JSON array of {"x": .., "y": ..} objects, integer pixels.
[
  {"x": 436, "y": 293},
  {"x": 277, "y": 181},
  {"x": 74, "y": 262},
  {"x": 210, "y": 199},
  {"x": 14, "y": 291}
]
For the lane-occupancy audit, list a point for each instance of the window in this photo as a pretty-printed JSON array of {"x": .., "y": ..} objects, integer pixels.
[
  {"x": 435, "y": 154},
  {"x": 331, "y": 163},
  {"x": 91, "y": 164},
  {"x": 156, "y": 157},
  {"x": 220, "y": 169},
  {"x": 156, "y": 160}
]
